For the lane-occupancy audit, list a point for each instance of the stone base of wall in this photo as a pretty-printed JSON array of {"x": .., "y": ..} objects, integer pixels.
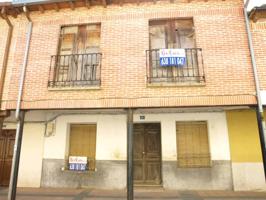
[
  {"x": 217, "y": 177},
  {"x": 108, "y": 174},
  {"x": 248, "y": 176},
  {"x": 112, "y": 175}
]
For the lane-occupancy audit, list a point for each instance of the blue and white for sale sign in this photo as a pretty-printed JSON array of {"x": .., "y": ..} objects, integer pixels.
[
  {"x": 172, "y": 57},
  {"x": 77, "y": 163}
]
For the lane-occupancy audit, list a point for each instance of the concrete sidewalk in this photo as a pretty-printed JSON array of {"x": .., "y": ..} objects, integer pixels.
[{"x": 140, "y": 194}]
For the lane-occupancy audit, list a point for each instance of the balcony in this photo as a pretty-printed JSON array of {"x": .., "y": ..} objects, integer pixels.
[
  {"x": 190, "y": 73},
  {"x": 75, "y": 70}
]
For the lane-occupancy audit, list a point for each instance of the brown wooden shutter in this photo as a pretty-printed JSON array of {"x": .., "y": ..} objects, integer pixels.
[
  {"x": 157, "y": 32},
  {"x": 184, "y": 31},
  {"x": 192, "y": 144},
  {"x": 83, "y": 142},
  {"x": 93, "y": 38},
  {"x": 68, "y": 39},
  {"x": 81, "y": 39}
]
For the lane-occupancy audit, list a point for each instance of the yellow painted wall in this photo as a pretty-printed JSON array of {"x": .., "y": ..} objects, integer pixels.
[{"x": 243, "y": 136}]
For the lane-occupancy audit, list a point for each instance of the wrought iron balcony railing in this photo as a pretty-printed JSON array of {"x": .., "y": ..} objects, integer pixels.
[
  {"x": 75, "y": 70},
  {"x": 191, "y": 72}
]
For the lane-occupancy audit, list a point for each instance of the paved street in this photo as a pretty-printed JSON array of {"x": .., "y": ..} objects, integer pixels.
[{"x": 140, "y": 194}]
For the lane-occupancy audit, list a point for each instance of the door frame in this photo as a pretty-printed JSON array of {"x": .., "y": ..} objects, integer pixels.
[{"x": 161, "y": 162}]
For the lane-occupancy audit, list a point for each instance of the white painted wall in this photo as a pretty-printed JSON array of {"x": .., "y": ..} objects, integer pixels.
[
  {"x": 110, "y": 136},
  {"x": 217, "y": 130},
  {"x": 263, "y": 96},
  {"x": 30, "y": 167}
]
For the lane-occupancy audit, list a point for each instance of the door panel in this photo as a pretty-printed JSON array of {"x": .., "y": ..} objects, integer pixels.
[
  {"x": 138, "y": 146},
  {"x": 147, "y": 153},
  {"x": 7, "y": 139},
  {"x": 153, "y": 172},
  {"x": 138, "y": 171},
  {"x": 153, "y": 153}
]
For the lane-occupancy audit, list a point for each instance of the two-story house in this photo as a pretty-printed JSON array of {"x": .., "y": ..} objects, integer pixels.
[{"x": 183, "y": 66}]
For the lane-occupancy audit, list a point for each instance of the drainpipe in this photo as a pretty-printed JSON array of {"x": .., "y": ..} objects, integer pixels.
[
  {"x": 130, "y": 192},
  {"x": 25, "y": 61},
  {"x": 5, "y": 59},
  {"x": 19, "y": 118},
  {"x": 259, "y": 110}
]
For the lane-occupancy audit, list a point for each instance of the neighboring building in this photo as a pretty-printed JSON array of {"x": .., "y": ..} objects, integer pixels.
[
  {"x": 258, "y": 26},
  {"x": 195, "y": 124}
]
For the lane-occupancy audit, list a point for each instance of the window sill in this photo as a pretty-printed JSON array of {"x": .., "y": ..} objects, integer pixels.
[
  {"x": 194, "y": 167},
  {"x": 176, "y": 84},
  {"x": 74, "y": 88}
]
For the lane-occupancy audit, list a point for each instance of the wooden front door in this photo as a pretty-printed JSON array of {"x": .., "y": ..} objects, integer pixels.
[
  {"x": 7, "y": 140},
  {"x": 147, "y": 154}
]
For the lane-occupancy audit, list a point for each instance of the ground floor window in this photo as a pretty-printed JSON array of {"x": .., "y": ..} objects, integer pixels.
[
  {"x": 192, "y": 144},
  {"x": 82, "y": 142}
]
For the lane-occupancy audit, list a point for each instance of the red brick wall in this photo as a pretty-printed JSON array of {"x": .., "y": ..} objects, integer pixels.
[
  {"x": 3, "y": 38},
  {"x": 220, "y": 32},
  {"x": 259, "y": 43}
]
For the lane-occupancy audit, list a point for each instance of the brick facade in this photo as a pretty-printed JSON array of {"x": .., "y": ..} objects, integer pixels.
[
  {"x": 220, "y": 32},
  {"x": 259, "y": 42},
  {"x": 3, "y": 41}
]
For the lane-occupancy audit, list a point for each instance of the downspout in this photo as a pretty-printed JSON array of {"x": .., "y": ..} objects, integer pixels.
[
  {"x": 25, "y": 61},
  {"x": 259, "y": 110},
  {"x": 130, "y": 186},
  {"x": 19, "y": 118}
]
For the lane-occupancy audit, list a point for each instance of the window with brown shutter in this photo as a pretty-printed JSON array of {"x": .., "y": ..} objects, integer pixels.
[
  {"x": 82, "y": 142},
  {"x": 80, "y": 39},
  {"x": 174, "y": 34},
  {"x": 192, "y": 144},
  {"x": 78, "y": 61}
]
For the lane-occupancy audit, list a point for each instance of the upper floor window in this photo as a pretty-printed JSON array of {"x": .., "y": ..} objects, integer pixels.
[
  {"x": 78, "y": 60},
  {"x": 174, "y": 34},
  {"x": 171, "y": 34},
  {"x": 82, "y": 39}
]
